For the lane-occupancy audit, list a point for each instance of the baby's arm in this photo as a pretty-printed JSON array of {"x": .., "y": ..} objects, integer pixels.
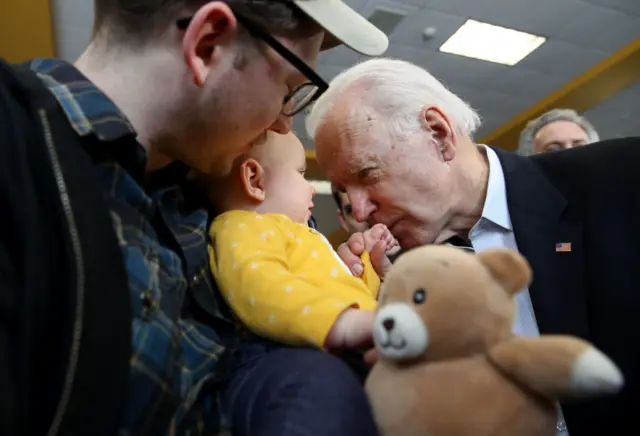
[
  {"x": 249, "y": 261},
  {"x": 377, "y": 238},
  {"x": 352, "y": 329}
]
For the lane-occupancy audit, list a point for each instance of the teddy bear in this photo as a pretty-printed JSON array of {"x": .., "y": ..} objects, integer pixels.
[{"x": 448, "y": 363}]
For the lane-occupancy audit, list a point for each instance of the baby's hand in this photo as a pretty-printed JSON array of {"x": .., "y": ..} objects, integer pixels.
[
  {"x": 377, "y": 241},
  {"x": 377, "y": 233}
]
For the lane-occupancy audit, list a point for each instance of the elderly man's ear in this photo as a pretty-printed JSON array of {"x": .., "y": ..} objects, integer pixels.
[{"x": 439, "y": 126}]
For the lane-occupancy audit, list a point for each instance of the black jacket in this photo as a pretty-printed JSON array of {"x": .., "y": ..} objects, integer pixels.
[
  {"x": 64, "y": 303},
  {"x": 588, "y": 197}
]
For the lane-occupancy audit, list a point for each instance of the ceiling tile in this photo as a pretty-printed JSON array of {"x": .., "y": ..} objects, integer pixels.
[
  {"x": 562, "y": 59},
  {"x": 418, "y": 56},
  {"x": 630, "y": 6},
  {"x": 406, "y": 7},
  {"x": 454, "y": 70},
  {"x": 520, "y": 82},
  {"x": 342, "y": 56},
  {"x": 492, "y": 104},
  {"x": 328, "y": 71},
  {"x": 356, "y": 4},
  {"x": 411, "y": 29},
  {"x": 600, "y": 28},
  {"x": 525, "y": 15}
]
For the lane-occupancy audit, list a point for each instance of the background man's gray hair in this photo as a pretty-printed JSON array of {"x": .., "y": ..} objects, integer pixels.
[{"x": 528, "y": 135}]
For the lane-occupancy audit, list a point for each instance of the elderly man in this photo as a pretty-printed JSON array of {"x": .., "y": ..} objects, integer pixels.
[
  {"x": 558, "y": 129},
  {"x": 110, "y": 321},
  {"x": 401, "y": 145}
]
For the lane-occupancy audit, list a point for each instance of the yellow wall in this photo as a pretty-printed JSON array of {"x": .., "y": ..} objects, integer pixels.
[{"x": 25, "y": 29}]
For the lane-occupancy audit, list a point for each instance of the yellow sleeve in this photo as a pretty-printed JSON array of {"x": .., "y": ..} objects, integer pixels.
[
  {"x": 249, "y": 262},
  {"x": 370, "y": 276}
]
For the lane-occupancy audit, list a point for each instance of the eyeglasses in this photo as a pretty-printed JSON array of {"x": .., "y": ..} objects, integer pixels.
[{"x": 305, "y": 94}]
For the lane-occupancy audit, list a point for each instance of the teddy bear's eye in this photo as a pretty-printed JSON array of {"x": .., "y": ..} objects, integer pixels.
[{"x": 420, "y": 296}]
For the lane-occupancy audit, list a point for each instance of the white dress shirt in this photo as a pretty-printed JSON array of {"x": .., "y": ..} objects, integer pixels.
[{"x": 494, "y": 230}]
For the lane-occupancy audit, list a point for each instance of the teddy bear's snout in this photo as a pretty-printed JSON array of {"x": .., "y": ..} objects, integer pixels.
[
  {"x": 400, "y": 332},
  {"x": 388, "y": 324}
]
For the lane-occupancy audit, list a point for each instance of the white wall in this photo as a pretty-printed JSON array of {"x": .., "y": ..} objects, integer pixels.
[{"x": 72, "y": 22}]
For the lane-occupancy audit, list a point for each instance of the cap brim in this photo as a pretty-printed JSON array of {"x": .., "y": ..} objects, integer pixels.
[{"x": 345, "y": 26}]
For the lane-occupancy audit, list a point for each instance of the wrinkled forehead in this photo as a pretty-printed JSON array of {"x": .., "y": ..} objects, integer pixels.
[
  {"x": 344, "y": 167},
  {"x": 348, "y": 141}
]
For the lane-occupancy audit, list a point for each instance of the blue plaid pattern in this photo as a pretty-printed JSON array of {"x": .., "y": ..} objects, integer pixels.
[{"x": 181, "y": 331}]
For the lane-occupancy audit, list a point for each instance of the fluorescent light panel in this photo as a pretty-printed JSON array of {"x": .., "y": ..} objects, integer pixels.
[
  {"x": 487, "y": 42},
  {"x": 322, "y": 187}
]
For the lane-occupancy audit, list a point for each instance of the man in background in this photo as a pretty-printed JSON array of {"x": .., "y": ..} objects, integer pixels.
[
  {"x": 558, "y": 129},
  {"x": 345, "y": 213}
]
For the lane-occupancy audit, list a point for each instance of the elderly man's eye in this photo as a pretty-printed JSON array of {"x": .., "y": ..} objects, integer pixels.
[{"x": 364, "y": 173}]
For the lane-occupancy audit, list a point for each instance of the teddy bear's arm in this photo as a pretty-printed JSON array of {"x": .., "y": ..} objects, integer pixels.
[{"x": 557, "y": 366}]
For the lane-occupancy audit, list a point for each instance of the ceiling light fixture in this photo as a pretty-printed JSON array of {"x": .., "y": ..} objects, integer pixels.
[{"x": 487, "y": 42}]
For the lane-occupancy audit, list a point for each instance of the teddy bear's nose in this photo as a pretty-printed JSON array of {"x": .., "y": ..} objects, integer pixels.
[{"x": 388, "y": 323}]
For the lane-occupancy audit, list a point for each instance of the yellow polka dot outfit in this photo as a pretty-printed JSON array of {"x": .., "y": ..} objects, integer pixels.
[{"x": 282, "y": 279}]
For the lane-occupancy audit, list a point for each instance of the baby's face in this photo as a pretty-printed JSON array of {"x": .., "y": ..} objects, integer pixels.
[{"x": 287, "y": 192}]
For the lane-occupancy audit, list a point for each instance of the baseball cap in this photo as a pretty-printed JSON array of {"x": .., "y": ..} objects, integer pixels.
[{"x": 345, "y": 26}]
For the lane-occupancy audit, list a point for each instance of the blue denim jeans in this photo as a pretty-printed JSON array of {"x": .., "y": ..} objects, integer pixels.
[{"x": 276, "y": 390}]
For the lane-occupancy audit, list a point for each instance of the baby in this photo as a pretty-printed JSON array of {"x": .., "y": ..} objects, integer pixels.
[{"x": 282, "y": 279}]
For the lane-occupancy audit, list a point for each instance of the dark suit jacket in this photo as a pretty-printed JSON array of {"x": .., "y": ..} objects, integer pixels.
[{"x": 589, "y": 197}]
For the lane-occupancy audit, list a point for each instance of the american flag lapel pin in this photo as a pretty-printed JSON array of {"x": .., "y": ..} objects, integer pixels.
[{"x": 563, "y": 247}]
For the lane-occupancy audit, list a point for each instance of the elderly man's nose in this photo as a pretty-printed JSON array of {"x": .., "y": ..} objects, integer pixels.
[
  {"x": 361, "y": 206},
  {"x": 282, "y": 124}
]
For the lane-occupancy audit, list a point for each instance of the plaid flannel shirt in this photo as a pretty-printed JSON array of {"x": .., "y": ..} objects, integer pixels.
[{"x": 180, "y": 327}]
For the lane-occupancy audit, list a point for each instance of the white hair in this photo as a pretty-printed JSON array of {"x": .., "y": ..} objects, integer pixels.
[
  {"x": 526, "y": 145},
  {"x": 397, "y": 91}
]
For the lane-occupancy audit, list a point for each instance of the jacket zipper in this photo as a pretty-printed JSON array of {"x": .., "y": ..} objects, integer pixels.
[{"x": 63, "y": 404}]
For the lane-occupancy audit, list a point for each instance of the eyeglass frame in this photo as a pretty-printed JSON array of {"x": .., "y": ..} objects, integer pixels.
[{"x": 259, "y": 32}]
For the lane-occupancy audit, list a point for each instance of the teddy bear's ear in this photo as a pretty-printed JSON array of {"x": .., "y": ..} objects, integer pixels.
[{"x": 508, "y": 267}]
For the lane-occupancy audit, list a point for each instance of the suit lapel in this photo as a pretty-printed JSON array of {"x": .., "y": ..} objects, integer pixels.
[{"x": 541, "y": 219}]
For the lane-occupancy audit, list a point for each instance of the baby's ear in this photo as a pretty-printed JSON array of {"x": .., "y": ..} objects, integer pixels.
[
  {"x": 252, "y": 177},
  {"x": 508, "y": 267}
]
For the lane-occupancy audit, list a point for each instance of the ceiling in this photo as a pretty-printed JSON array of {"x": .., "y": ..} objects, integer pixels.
[{"x": 581, "y": 33}]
